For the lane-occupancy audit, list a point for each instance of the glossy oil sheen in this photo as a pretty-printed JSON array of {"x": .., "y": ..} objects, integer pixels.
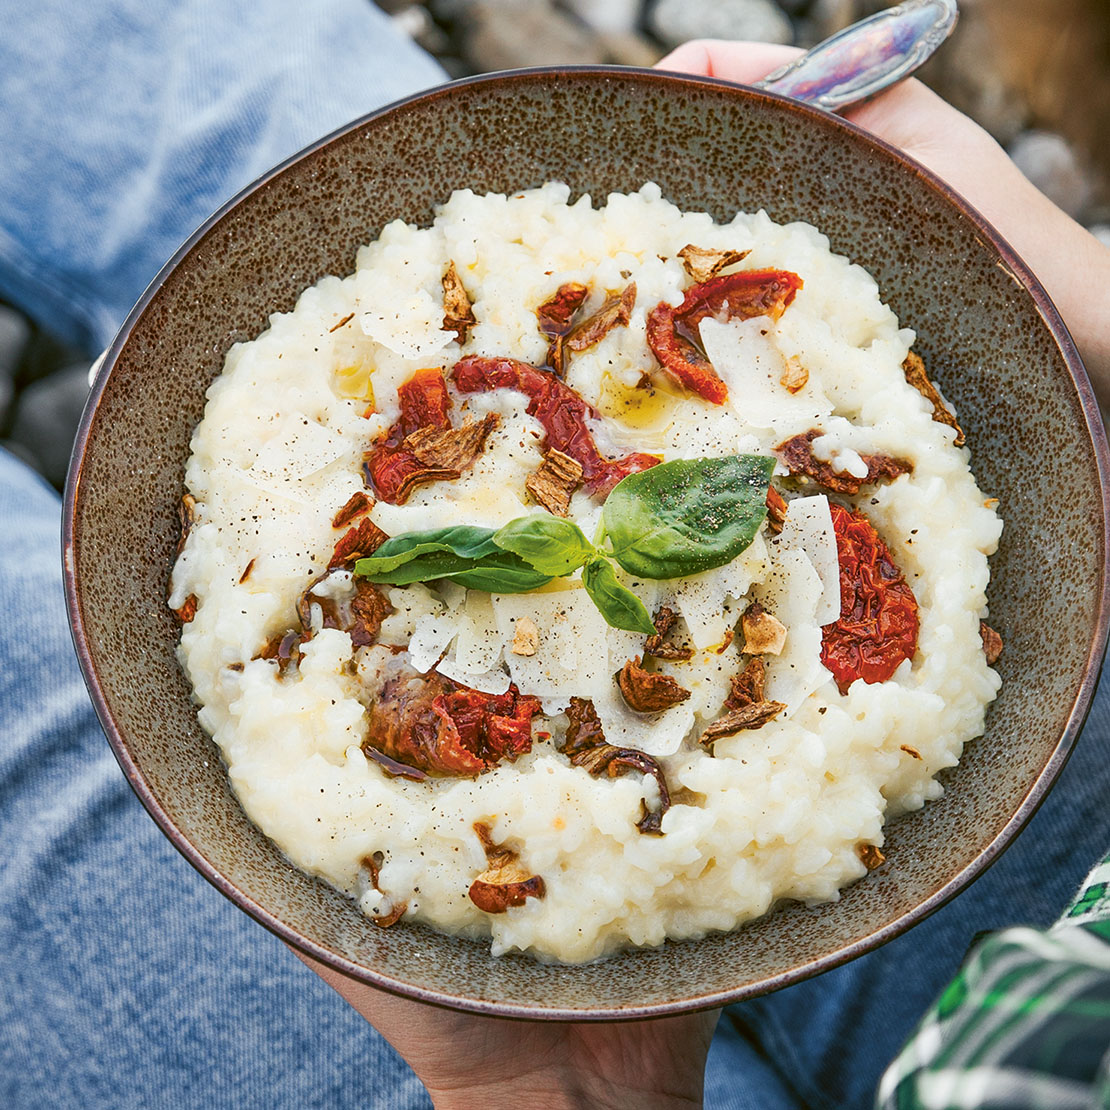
[{"x": 986, "y": 331}]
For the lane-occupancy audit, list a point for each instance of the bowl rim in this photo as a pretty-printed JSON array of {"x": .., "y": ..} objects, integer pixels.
[{"x": 1010, "y": 261}]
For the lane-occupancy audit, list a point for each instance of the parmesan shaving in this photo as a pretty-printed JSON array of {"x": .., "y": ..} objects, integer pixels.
[
  {"x": 656, "y": 734},
  {"x": 701, "y": 598},
  {"x": 572, "y": 654},
  {"x": 431, "y": 639},
  {"x": 494, "y": 681},
  {"x": 745, "y": 355},
  {"x": 478, "y": 646},
  {"x": 793, "y": 592},
  {"x": 808, "y": 528}
]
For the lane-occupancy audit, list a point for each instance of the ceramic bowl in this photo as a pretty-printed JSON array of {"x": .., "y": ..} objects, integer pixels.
[{"x": 996, "y": 344}]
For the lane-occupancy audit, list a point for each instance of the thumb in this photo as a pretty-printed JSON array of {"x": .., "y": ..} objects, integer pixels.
[{"x": 742, "y": 62}]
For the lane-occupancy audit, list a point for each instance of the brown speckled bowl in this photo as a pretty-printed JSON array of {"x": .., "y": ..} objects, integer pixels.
[{"x": 987, "y": 330}]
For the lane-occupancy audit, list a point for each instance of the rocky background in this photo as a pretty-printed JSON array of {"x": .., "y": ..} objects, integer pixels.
[{"x": 1035, "y": 73}]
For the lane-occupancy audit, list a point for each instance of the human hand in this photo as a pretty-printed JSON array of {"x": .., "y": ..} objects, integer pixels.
[
  {"x": 1071, "y": 264},
  {"x": 468, "y": 1061}
]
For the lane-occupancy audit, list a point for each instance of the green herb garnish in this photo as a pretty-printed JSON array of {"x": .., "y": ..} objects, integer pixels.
[
  {"x": 688, "y": 515},
  {"x": 462, "y": 554},
  {"x": 620, "y": 607},
  {"x": 675, "y": 519}
]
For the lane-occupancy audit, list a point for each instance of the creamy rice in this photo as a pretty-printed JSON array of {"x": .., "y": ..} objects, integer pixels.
[{"x": 778, "y": 812}]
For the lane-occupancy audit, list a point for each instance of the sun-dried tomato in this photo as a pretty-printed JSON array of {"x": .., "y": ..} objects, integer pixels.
[
  {"x": 556, "y": 318},
  {"x": 585, "y": 745},
  {"x": 356, "y": 543},
  {"x": 495, "y": 726},
  {"x": 425, "y": 403},
  {"x": 561, "y": 411},
  {"x": 673, "y": 334},
  {"x": 797, "y": 455},
  {"x": 444, "y": 729},
  {"x": 390, "y": 467},
  {"x": 877, "y": 629}
]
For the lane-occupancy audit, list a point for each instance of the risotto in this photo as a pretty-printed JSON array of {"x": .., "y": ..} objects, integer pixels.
[{"x": 582, "y": 577}]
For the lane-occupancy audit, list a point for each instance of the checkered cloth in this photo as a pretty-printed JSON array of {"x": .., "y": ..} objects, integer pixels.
[{"x": 1025, "y": 1023}]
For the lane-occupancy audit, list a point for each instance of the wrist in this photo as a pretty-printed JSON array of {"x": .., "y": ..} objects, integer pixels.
[{"x": 1074, "y": 268}]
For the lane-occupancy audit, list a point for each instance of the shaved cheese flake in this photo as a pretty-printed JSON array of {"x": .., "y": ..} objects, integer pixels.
[
  {"x": 298, "y": 448},
  {"x": 809, "y": 528},
  {"x": 657, "y": 734},
  {"x": 701, "y": 598},
  {"x": 478, "y": 646},
  {"x": 707, "y": 677},
  {"x": 475, "y": 660},
  {"x": 297, "y": 451},
  {"x": 410, "y": 603},
  {"x": 494, "y": 681},
  {"x": 745, "y": 355},
  {"x": 431, "y": 639},
  {"x": 793, "y": 592},
  {"x": 407, "y": 322},
  {"x": 572, "y": 656}
]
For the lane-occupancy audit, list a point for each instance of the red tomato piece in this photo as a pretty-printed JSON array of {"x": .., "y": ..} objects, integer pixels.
[
  {"x": 446, "y": 730},
  {"x": 391, "y": 469},
  {"x": 561, "y": 411},
  {"x": 424, "y": 403},
  {"x": 878, "y": 624},
  {"x": 673, "y": 334}
]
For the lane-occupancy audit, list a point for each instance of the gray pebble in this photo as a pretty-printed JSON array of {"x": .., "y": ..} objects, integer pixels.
[
  {"x": 506, "y": 35},
  {"x": 1102, "y": 233},
  {"x": 1049, "y": 161},
  {"x": 14, "y": 335},
  {"x": 677, "y": 21},
  {"x": 831, "y": 16},
  {"x": 609, "y": 16},
  {"x": 45, "y": 418}
]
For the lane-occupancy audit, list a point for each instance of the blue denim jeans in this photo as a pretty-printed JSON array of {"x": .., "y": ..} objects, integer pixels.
[{"x": 125, "y": 980}]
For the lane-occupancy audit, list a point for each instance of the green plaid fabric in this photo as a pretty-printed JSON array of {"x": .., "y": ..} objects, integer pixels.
[{"x": 1025, "y": 1024}]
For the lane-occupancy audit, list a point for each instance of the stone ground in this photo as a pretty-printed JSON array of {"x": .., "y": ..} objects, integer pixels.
[{"x": 1035, "y": 73}]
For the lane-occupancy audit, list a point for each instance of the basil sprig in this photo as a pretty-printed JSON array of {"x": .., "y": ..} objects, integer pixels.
[{"x": 675, "y": 519}]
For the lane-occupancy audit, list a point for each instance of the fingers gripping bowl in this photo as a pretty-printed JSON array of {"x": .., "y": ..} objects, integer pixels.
[{"x": 993, "y": 343}]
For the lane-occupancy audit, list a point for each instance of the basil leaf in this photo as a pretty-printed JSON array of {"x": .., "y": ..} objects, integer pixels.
[
  {"x": 687, "y": 516},
  {"x": 620, "y": 607},
  {"x": 500, "y": 572},
  {"x": 503, "y": 573},
  {"x": 466, "y": 542},
  {"x": 550, "y": 544}
]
